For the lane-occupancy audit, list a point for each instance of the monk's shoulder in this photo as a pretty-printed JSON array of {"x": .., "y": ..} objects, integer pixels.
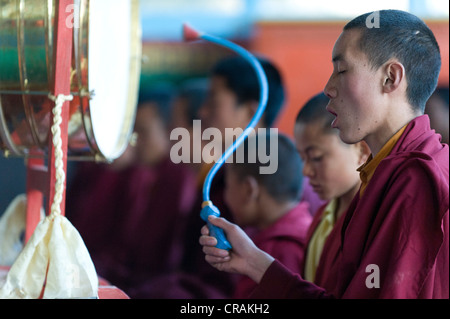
[
  {"x": 417, "y": 164},
  {"x": 420, "y": 173}
]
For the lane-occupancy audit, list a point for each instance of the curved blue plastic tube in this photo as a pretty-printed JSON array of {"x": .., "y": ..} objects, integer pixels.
[
  {"x": 208, "y": 208},
  {"x": 263, "y": 96}
]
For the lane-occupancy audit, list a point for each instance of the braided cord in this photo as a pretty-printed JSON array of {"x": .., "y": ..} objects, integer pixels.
[{"x": 60, "y": 174}]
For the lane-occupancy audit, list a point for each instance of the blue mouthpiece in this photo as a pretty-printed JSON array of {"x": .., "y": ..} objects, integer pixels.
[{"x": 215, "y": 231}]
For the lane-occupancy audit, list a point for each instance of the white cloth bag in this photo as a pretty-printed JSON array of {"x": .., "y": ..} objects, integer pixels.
[
  {"x": 55, "y": 263},
  {"x": 12, "y": 226}
]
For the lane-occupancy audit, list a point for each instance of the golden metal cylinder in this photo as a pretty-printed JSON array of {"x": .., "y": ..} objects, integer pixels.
[{"x": 27, "y": 75}]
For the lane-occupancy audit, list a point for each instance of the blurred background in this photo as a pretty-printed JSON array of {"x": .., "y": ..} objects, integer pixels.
[{"x": 298, "y": 36}]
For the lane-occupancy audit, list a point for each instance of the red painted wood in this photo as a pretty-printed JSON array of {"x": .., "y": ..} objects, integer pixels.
[
  {"x": 37, "y": 184},
  {"x": 63, "y": 63},
  {"x": 111, "y": 292},
  {"x": 41, "y": 180}
]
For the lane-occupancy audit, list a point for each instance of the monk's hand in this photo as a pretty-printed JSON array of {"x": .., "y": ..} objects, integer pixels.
[{"x": 244, "y": 258}]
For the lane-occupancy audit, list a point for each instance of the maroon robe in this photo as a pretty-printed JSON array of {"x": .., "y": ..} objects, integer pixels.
[
  {"x": 330, "y": 250},
  {"x": 133, "y": 221},
  {"x": 285, "y": 240},
  {"x": 400, "y": 225},
  {"x": 92, "y": 202},
  {"x": 195, "y": 278}
]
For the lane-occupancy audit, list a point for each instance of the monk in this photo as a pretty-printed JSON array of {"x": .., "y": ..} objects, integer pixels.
[
  {"x": 394, "y": 238},
  {"x": 269, "y": 203},
  {"x": 331, "y": 167}
]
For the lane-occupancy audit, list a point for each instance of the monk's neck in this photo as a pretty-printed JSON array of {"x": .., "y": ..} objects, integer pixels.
[
  {"x": 384, "y": 133},
  {"x": 271, "y": 212}
]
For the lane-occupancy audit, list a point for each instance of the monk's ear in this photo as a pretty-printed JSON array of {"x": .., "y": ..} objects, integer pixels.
[
  {"x": 252, "y": 188},
  {"x": 393, "y": 76},
  {"x": 250, "y": 108},
  {"x": 246, "y": 111}
]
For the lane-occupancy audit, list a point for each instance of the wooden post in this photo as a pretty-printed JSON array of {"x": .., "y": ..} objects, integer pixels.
[
  {"x": 36, "y": 188},
  {"x": 63, "y": 63},
  {"x": 41, "y": 180}
]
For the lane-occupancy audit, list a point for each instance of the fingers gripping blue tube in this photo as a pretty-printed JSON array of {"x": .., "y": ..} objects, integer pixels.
[{"x": 208, "y": 208}]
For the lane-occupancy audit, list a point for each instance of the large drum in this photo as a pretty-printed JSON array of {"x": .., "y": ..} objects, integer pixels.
[{"x": 104, "y": 79}]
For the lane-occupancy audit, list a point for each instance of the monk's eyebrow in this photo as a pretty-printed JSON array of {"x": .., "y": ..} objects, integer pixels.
[{"x": 337, "y": 58}]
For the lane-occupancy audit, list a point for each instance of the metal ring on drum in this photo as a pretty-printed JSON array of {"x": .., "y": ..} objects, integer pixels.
[{"x": 104, "y": 79}]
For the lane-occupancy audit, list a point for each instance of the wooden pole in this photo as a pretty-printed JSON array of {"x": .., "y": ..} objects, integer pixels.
[
  {"x": 39, "y": 178},
  {"x": 63, "y": 63}
]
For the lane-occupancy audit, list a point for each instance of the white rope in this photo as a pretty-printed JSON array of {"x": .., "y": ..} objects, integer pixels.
[{"x": 57, "y": 143}]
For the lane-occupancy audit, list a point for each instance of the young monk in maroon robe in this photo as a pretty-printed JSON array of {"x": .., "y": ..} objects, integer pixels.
[
  {"x": 331, "y": 167},
  {"x": 394, "y": 239},
  {"x": 269, "y": 203}
]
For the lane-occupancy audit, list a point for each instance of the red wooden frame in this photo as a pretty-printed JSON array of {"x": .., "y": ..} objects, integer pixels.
[{"x": 41, "y": 179}]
